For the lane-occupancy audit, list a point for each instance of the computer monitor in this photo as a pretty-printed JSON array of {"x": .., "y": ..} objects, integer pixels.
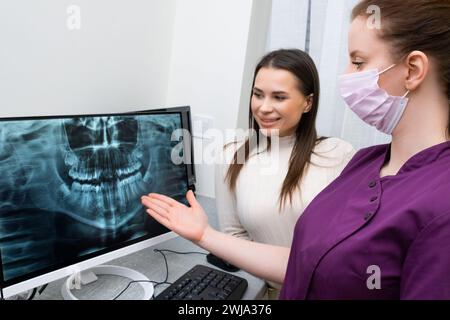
[{"x": 70, "y": 189}]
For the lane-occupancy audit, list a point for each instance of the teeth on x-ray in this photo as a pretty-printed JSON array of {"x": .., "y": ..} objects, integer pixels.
[
  {"x": 79, "y": 182},
  {"x": 105, "y": 160}
]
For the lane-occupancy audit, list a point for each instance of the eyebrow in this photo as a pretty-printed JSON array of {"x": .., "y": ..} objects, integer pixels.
[
  {"x": 356, "y": 53},
  {"x": 275, "y": 92}
]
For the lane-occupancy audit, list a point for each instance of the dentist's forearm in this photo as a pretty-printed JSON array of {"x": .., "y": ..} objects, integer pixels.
[{"x": 264, "y": 261}]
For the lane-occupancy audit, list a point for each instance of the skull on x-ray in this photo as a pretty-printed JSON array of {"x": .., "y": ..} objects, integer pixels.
[
  {"x": 72, "y": 186},
  {"x": 105, "y": 166},
  {"x": 93, "y": 169}
]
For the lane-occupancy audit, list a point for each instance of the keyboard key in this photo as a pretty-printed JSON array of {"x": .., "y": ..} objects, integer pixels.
[
  {"x": 222, "y": 296},
  {"x": 205, "y": 283},
  {"x": 180, "y": 295},
  {"x": 228, "y": 288}
]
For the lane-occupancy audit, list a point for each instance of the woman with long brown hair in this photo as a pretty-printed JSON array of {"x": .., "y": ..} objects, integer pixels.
[
  {"x": 381, "y": 230},
  {"x": 265, "y": 181}
]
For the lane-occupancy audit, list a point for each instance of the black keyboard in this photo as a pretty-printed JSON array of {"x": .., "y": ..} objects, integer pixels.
[{"x": 205, "y": 283}]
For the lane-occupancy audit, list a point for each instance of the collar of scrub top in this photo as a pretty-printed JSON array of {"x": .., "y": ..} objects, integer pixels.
[{"x": 420, "y": 159}]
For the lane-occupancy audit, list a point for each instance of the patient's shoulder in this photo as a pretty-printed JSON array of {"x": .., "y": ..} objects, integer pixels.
[{"x": 334, "y": 147}]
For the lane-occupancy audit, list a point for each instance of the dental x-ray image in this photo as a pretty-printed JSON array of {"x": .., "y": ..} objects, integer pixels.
[{"x": 71, "y": 187}]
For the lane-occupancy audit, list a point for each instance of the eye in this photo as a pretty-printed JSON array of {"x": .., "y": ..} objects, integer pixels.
[
  {"x": 280, "y": 98},
  {"x": 257, "y": 95},
  {"x": 357, "y": 64}
]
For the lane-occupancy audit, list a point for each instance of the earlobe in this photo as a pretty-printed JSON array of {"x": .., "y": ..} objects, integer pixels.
[
  {"x": 309, "y": 103},
  {"x": 308, "y": 108}
]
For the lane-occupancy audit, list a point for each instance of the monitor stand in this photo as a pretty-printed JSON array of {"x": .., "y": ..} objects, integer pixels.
[{"x": 90, "y": 275}]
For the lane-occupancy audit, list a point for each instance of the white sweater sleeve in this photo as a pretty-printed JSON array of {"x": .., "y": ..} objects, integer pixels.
[{"x": 229, "y": 221}]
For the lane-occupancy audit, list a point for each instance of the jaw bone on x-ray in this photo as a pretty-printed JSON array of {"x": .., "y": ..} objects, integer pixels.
[{"x": 71, "y": 187}]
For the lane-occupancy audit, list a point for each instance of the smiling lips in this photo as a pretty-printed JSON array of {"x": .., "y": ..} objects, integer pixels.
[{"x": 268, "y": 122}]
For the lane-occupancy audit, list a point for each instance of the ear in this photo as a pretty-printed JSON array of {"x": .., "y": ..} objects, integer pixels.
[
  {"x": 418, "y": 65},
  {"x": 309, "y": 103}
]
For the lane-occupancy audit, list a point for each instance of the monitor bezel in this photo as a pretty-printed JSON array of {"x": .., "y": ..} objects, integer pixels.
[{"x": 35, "y": 279}]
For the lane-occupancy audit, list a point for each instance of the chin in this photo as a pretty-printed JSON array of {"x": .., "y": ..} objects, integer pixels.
[{"x": 269, "y": 132}]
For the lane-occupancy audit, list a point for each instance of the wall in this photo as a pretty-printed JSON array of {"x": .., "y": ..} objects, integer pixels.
[{"x": 117, "y": 61}]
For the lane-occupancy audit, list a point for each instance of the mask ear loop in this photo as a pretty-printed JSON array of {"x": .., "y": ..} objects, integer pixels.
[{"x": 387, "y": 69}]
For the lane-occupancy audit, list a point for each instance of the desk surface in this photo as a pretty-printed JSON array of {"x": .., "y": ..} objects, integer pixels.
[{"x": 152, "y": 265}]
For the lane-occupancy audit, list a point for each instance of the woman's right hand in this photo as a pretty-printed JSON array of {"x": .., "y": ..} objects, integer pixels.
[{"x": 189, "y": 222}]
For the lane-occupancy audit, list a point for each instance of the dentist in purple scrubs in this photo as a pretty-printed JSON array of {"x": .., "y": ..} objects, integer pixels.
[{"x": 381, "y": 230}]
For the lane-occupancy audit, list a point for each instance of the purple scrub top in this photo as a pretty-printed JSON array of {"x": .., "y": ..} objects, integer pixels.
[{"x": 366, "y": 237}]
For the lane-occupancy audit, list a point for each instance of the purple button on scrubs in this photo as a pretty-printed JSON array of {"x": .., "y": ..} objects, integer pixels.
[{"x": 369, "y": 238}]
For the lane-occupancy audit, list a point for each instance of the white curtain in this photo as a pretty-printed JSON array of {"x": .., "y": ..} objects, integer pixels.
[{"x": 324, "y": 36}]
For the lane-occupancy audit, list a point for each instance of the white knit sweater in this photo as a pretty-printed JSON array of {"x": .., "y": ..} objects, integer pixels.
[{"x": 252, "y": 211}]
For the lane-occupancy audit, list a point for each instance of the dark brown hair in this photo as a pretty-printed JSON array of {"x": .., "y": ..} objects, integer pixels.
[
  {"x": 409, "y": 25},
  {"x": 303, "y": 68}
]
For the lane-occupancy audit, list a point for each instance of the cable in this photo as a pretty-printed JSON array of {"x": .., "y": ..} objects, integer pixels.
[
  {"x": 129, "y": 284},
  {"x": 37, "y": 291},
  {"x": 161, "y": 251},
  {"x": 32, "y": 295},
  {"x": 156, "y": 284},
  {"x": 165, "y": 261},
  {"x": 161, "y": 283},
  {"x": 141, "y": 281},
  {"x": 42, "y": 288},
  {"x": 176, "y": 252}
]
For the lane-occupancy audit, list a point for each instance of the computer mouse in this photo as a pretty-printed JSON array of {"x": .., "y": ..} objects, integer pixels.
[{"x": 220, "y": 263}]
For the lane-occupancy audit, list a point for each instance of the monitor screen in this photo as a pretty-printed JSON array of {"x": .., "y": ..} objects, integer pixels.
[{"x": 70, "y": 186}]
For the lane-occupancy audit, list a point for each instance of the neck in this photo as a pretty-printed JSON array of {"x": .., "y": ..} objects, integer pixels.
[
  {"x": 423, "y": 125},
  {"x": 283, "y": 141}
]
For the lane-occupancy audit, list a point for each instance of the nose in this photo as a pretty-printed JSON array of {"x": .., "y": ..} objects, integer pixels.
[
  {"x": 106, "y": 134},
  {"x": 266, "y": 106}
]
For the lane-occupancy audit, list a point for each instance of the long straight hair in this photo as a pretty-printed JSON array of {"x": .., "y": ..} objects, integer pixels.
[{"x": 300, "y": 65}]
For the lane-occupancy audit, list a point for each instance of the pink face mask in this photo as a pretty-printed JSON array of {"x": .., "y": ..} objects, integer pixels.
[{"x": 371, "y": 103}]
